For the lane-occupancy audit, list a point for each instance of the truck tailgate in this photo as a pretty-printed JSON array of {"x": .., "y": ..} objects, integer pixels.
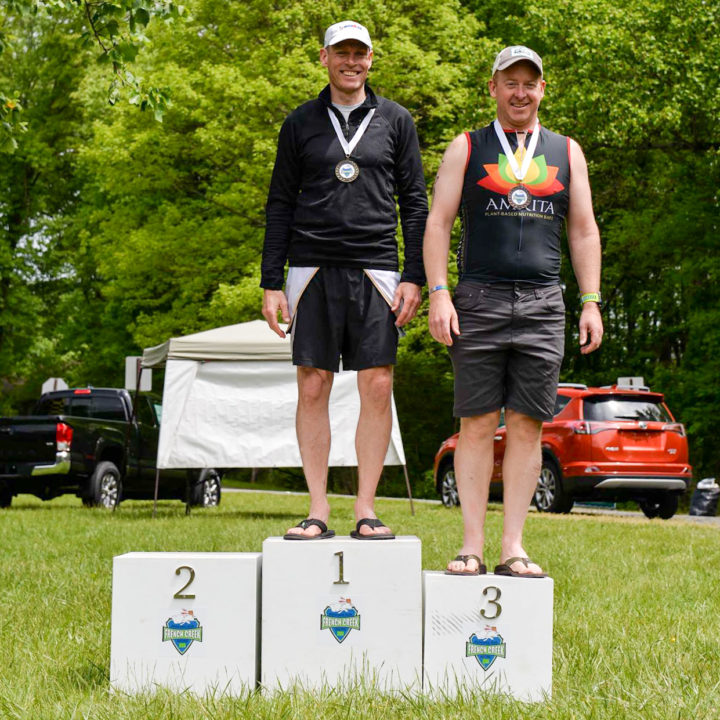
[{"x": 26, "y": 441}]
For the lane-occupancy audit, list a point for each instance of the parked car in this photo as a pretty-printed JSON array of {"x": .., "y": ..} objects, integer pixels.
[
  {"x": 609, "y": 443},
  {"x": 89, "y": 442}
]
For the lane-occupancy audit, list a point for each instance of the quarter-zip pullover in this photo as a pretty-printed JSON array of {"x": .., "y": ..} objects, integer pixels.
[{"x": 314, "y": 219}]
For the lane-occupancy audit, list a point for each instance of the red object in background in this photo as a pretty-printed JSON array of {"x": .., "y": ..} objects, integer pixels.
[
  {"x": 63, "y": 436},
  {"x": 612, "y": 443}
]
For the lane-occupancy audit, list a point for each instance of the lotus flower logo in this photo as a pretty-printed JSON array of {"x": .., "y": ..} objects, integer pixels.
[{"x": 541, "y": 178}]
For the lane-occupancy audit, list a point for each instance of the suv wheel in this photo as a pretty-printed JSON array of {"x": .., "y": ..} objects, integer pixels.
[
  {"x": 447, "y": 485},
  {"x": 105, "y": 487},
  {"x": 663, "y": 506},
  {"x": 206, "y": 491},
  {"x": 549, "y": 493}
]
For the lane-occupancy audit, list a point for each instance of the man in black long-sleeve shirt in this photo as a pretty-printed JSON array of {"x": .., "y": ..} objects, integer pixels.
[{"x": 331, "y": 214}]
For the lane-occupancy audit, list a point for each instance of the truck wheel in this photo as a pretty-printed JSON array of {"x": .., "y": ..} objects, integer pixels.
[
  {"x": 447, "y": 485},
  {"x": 663, "y": 506},
  {"x": 550, "y": 495},
  {"x": 207, "y": 490},
  {"x": 105, "y": 487},
  {"x": 5, "y": 496}
]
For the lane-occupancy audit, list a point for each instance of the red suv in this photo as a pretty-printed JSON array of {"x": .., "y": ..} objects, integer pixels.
[{"x": 614, "y": 443}]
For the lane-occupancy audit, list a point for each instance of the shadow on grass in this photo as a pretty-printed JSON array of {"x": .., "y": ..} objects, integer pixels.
[
  {"x": 202, "y": 514},
  {"x": 90, "y": 675},
  {"x": 143, "y": 509}
]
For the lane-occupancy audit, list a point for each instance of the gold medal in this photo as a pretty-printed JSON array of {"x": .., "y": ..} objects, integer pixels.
[{"x": 519, "y": 197}]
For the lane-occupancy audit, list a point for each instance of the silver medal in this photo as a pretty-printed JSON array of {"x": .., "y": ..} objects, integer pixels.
[{"x": 347, "y": 171}]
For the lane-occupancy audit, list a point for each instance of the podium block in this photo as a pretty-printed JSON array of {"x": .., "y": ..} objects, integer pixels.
[
  {"x": 488, "y": 632},
  {"x": 341, "y": 612},
  {"x": 186, "y": 621}
]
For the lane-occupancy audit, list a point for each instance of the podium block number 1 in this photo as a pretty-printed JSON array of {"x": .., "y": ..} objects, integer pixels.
[{"x": 341, "y": 580}]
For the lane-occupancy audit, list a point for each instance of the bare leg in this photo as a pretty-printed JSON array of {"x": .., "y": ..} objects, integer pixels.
[
  {"x": 372, "y": 438},
  {"x": 521, "y": 468},
  {"x": 473, "y": 470},
  {"x": 312, "y": 424}
]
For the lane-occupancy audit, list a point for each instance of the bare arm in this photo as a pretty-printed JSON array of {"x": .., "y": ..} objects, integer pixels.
[
  {"x": 584, "y": 243},
  {"x": 436, "y": 245}
]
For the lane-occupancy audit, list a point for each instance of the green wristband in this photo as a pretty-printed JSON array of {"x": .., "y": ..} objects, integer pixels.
[
  {"x": 591, "y": 297},
  {"x": 438, "y": 287}
]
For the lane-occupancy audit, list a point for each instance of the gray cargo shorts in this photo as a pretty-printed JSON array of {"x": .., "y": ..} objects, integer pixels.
[{"x": 510, "y": 348}]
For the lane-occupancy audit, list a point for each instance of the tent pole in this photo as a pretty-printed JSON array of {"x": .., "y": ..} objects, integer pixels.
[
  {"x": 157, "y": 487},
  {"x": 407, "y": 484}
]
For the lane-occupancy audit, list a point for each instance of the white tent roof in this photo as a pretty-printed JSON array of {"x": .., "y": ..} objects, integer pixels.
[{"x": 252, "y": 340}]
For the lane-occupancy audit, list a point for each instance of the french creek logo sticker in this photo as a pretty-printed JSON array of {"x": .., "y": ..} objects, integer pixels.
[
  {"x": 340, "y": 618},
  {"x": 486, "y": 647},
  {"x": 182, "y": 630}
]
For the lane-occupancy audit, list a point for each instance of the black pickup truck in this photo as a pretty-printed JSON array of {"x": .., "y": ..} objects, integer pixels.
[{"x": 89, "y": 442}]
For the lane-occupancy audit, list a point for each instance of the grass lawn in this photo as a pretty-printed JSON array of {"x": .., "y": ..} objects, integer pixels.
[{"x": 637, "y": 610}]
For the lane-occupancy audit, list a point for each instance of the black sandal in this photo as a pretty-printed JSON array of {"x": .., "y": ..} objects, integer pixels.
[
  {"x": 305, "y": 524},
  {"x": 372, "y": 523}
]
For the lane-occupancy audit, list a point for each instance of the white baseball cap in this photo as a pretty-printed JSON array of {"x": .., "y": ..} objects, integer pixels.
[
  {"x": 515, "y": 53},
  {"x": 347, "y": 30}
]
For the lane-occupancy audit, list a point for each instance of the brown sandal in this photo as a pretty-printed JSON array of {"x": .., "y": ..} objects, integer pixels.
[
  {"x": 505, "y": 569},
  {"x": 464, "y": 559}
]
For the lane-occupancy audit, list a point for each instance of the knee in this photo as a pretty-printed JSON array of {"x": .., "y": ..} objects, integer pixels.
[
  {"x": 313, "y": 386},
  {"x": 523, "y": 429},
  {"x": 376, "y": 387},
  {"x": 479, "y": 427}
]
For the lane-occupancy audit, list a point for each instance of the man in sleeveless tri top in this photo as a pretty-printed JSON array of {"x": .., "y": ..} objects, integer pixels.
[
  {"x": 331, "y": 213},
  {"x": 516, "y": 184}
]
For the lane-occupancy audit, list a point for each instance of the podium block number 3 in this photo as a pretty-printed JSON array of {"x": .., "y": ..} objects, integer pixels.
[
  {"x": 493, "y": 607},
  {"x": 182, "y": 595}
]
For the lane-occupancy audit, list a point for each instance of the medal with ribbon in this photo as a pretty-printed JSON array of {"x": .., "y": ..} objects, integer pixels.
[
  {"x": 347, "y": 170},
  {"x": 519, "y": 196}
]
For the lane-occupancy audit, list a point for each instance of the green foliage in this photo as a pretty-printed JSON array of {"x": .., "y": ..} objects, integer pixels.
[
  {"x": 117, "y": 232},
  {"x": 117, "y": 32}
]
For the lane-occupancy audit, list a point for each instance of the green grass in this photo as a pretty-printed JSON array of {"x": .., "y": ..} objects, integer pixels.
[{"x": 637, "y": 611}]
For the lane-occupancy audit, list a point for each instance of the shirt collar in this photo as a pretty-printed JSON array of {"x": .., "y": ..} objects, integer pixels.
[{"x": 369, "y": 102}]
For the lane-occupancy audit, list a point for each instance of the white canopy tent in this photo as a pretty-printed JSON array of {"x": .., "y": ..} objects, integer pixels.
[{"x": 230, "y": 397}]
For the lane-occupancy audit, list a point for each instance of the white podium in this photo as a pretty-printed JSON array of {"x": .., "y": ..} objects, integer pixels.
[
  {"x": 488, "y": 632},
  {"x": 342, "y": 612},
  {"x": 187, "y": 621}
]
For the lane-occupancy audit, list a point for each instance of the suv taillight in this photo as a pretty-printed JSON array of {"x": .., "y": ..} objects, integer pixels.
[
  {"x": 679, "y": 428},
  {"x": 63, "y": 436},
  {"x": 581, "y": 428}
]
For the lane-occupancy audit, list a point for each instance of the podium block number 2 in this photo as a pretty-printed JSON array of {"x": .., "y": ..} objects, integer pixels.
[
  {"x": 180, "y": 594},
  {"x": 493, "y": 607}
]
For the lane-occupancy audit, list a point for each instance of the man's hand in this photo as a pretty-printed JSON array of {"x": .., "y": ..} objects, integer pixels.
[
  {"x": 443, "y": 317},
  {"x": 406, "y": 302},
  {"x": 591, "y": 328},
  {"x": 274, "y": 301}
]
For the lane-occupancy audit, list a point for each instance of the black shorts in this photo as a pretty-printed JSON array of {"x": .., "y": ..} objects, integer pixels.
[
  {"x": 510, "y": 348},
  {"x": 341, "y": 313}
]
